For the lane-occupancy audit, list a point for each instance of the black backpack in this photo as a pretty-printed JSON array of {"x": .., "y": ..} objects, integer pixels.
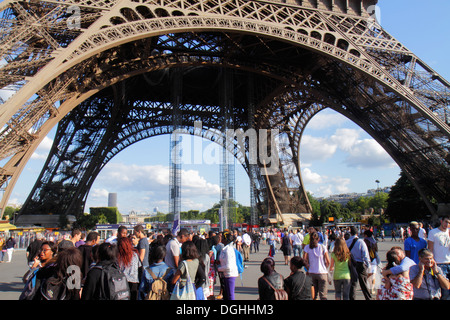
[
  {"x": 114, "y": 283},
  {"x": 51, "y": 289}
]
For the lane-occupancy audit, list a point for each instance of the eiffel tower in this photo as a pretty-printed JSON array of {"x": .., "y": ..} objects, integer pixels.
[{"x": 102, "y": 71}]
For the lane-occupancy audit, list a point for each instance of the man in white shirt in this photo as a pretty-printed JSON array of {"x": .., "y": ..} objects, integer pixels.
[
  {"x": 297, "y": 240},
  {"x": 246, "y": 242},
  {"x": 439, "y": 244},
  {"x": 173, "y": 250}
]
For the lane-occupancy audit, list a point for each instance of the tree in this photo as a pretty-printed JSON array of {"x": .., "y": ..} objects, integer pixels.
[
  {"x": 404, "y": 203},
  {"x": 315, "y": 205},
  {"x": 379, "y": 201},
  {"x": 112, "y": 214}
]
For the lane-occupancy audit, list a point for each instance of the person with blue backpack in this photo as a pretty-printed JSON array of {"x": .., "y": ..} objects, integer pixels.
[
  {"x": 42, "y": 268},
  {"x": 228, "y": 267}
]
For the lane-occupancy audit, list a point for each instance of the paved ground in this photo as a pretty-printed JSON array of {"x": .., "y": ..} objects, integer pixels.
[{"x": 11, "y": 274}]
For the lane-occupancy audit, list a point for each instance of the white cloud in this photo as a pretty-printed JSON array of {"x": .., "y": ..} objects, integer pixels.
[
  {"x": 311, "y": 177},
  {"x": 316, "y": 148},
  {"x": 341, "y": 184},
  {"x": 325, "y": 185},
  {"x": 345, "y": 138},
  {"x": 358, "y": 153}
]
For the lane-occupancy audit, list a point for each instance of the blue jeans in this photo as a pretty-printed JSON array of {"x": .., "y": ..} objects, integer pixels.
[
  {"x": 297, "y": 248},
  {"x": 445, "y": 267}
]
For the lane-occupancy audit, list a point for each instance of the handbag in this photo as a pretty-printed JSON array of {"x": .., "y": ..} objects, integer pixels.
[
  {"x": 186, "y": 292},
  {"x": 280, "y": 294}
]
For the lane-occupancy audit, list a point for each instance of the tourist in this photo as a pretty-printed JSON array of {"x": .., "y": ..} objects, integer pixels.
[
  {"x": 129, "y": 264},
  {"x": 157, "y": 269},
  {"x": 360, "y": 253},
  {"x": 82, "y": 240},
  {"x": 422, "y": 231},
  {"x": 34, "y": 248},
  {"x": 202, "y": 279},
  {"x": 75, "y": 236},
  {"x": 372, "y": 247},
  {"x": 9, "y": 245},
  {"x": 286, "y": 248},
  {"x": 341, "y": 273},
  {"x": 270, "y": 280},
  {"x": 67, "y": 269},
  {"x": 427, "y": 278},
  {"x": 227, "y": 266},
  {"x": 297, "y": 239},
  {"x": 246, "y": 243},
  {"x": 317, "y": 262},
  {"x": 414, "y": 243},
  {"x": 92, "y": 239},
  {"x": 173, "y": 250},
  {"x": 395, "y": 286},
  {"x": 187, "y": 268},
  {"x": 298, "y": 285},
  {"x": 439, "y": 244},
  {"x": 271, "y": 241},
  {"x": 143, "y": 245},
  {"x": 43, "y": 267},
  {"x": 107, "y": 263}
]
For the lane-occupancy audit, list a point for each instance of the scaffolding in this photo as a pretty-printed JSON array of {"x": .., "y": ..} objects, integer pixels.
[
  {"x": 227, "y": 166},
  {"x": 175, "y": 151}
]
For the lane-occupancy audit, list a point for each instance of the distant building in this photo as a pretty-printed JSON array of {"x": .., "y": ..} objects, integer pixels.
[
  {"x": 112, "y": 200},
  {"x": 344, "y": 198}
]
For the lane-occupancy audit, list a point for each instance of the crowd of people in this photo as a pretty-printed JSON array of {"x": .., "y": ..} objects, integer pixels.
[
  {"x": 141, "y": 259},
  {"x": 81, "y": 268},
  {"x": 419, "y": 270}
]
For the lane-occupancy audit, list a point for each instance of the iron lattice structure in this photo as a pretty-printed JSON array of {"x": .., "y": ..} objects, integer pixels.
[{"x": 100, "y": 70}]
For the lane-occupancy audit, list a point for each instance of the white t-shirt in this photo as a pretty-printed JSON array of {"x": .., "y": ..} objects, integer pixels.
[
  {"x": 441, "y": 248},
  {"x": 247, "y": 239},
  {"x": 173, "y": 249},
  {"x": 422, "y": 233},
  {"x": 316, "y": 259},
  {"x": 297, "y": 238}
]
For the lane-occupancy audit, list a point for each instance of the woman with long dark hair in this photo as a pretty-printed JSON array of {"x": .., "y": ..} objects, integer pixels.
[
  {"x": 270, "y": 280},
  {"x": 129, "y": 263},
  {"x": 317, "y": 260},
  {"x": 189, "y": 253},
  {"x": 95, "y": 286},
  {"x": 65, "y": 283}
]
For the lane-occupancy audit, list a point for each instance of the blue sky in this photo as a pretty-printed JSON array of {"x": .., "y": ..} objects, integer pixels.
[{"x": 337, "y": 156}]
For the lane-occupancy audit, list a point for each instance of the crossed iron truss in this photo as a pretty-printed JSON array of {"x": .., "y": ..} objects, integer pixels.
[{"x": 100, "y": 71}]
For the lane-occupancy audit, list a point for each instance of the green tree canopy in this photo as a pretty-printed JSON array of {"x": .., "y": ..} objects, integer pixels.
[{"x": 404, "y": 203}]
